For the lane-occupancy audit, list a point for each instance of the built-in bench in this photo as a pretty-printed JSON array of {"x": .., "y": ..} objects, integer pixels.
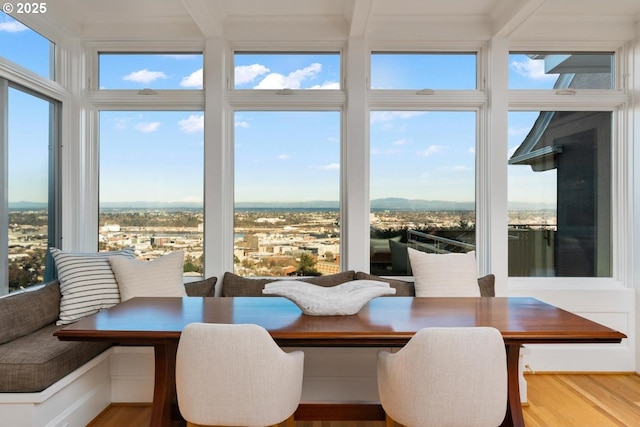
[{"x": 42, "y": 378}]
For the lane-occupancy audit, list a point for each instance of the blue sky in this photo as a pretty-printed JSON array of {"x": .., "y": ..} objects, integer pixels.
[{"x": 279, "y": 156}]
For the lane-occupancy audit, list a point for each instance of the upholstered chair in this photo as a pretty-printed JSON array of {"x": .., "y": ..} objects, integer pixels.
[
  {"x": 236, "y": 375},
  {"x": 445, "y": 377}
]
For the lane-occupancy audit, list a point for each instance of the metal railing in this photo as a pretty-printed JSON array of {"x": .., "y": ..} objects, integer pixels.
[{"x": 436, "y": 244}]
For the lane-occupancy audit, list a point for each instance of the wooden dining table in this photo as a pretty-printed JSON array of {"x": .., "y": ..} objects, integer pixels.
[{"x": 383, "y": 322}]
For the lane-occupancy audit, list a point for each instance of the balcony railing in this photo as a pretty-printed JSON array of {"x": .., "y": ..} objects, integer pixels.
[{"x": 437, "y": 244}]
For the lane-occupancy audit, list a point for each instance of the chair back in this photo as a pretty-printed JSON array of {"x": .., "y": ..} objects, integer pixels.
[
  {"x": 235, "y": 375},
  {"x": 446, "y": 377}
]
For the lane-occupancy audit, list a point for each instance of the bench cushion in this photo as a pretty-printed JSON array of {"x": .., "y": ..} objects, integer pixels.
[
  {"x": 485, "y": 283},
  {"x": 403, "y": 289},
  {"x": 239, "y": 286},
  {"x": 34, "y": 362},
  {"x": 201, "y": 288},
  {"x": 24, "y": 312}
]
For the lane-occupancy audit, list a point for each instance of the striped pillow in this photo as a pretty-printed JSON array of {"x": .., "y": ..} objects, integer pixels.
[{"x": 87, "y": 283}]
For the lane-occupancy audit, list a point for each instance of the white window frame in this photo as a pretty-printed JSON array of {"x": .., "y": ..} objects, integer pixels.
[
  {"x": 239, "y": 100},
  {"x": 98, "y": 100},
  {"x": 617, "y": 102},
  {"x": 446, "y": 100},
  {"x": 13, "y": 75}
]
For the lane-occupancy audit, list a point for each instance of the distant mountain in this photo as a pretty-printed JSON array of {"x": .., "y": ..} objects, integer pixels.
[
  {"x": 527, "y": 206},
  {"x": 389, "y": 203},
  {"x": 321, "y": 204},
  {"x": 150, "y": 205},
  {"x": 28, "y": 205},
  {"x": 395, "y": 203}
]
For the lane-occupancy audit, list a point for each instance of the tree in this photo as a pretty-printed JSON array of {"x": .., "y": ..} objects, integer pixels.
[{"x": 307, "y": 265}]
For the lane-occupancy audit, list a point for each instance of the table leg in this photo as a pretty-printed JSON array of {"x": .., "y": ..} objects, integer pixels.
[
  {"x": 164, "y": 389},
  {"x": 513, "y": 417}
]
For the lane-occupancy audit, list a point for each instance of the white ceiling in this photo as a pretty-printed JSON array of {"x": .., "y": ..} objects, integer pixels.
[{"x": 344, "y": 18}]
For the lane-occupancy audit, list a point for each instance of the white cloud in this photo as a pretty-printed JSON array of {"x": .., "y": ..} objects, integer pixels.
[
  {"x": 12, "y": 27},
  {"x": 333, "y": 139},
  {"x": 193, "y": 80},
  {"x": 472, "y": 150},
  {"x": 244, "y": 74},
  {"x": 400, "y": 142},
  {"x": 147, "y": 127},
  {"x": 145, "y": 76},
  {"x": 327, "y": 85},
  {"x": 192, "y": 124},
  {"x": 329, "y": 167},
  {"x": 284, "y": 157},
  {"x": 533, "y": 69},
  {"x": 292, "y": 80},
  {"x": 241, "y": 124},
  {"x": 460, "y": 168},
  {"x": 430, "y": 150},
  {"x": 386, "y": 116}
]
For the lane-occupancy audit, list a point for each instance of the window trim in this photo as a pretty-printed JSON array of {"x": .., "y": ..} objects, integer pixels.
[
  {"x": 142, "y": 47},
  {"x": 54, "y": 185},
  {"x": 446, "y": 100},
  {"x": 428, "y": 90},
  {"x": 616, "y": 101}
]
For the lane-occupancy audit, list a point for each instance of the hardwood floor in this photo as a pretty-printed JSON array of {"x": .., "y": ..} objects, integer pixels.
[{"x": 555, "y": 400}]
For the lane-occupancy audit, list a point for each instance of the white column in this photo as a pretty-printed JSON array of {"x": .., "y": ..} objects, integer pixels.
[
  {"x": 355, "y": 160},
  {"x": 218, "y": 163},
  {"x": 495, "y": 187}
]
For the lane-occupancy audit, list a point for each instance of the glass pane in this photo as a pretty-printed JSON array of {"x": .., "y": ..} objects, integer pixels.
[
  {"x": 25, "y": 47},
  {"x": 28, "y": 178},
  {"x": 150, "y": 70},
  {"x": 537, "y": 70},
  {"x": 286, "y": 70},
  {"x": 422, "y": 185},
  {"x": 287, "y": 192},
  {"x": 423, "y": 71},
  {"x": 151, "y": 184},
  {"x": 560, "y": 194}
]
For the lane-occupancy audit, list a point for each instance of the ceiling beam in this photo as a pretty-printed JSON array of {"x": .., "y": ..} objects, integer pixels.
[
  {"x": 514, "y": 13},
  {"x": 208, "y": 15},
  {"x": 358, "y": 17}
]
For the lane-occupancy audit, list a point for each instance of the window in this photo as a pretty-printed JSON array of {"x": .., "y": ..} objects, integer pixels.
[
  {"x": 30, "y": 151},
  {"x": 151, "y": 184},
  {"x": 422, "y": 185},
  {"x": 560, "y": 194},
  {"x": 287, "y": 70},
  {"x": 25, "y": 47},
  {"x": 416, "y": 71},
  {"x": 287, "y": 193},
  {"x": 561, "y": 70},
  {"x": 150, "y": 71}
]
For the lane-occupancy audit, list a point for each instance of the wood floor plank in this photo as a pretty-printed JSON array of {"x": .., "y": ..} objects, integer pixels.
[{"x": 555, "y": 400}]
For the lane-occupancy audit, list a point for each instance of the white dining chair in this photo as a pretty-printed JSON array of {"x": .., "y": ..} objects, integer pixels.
[
  {"x": 445, "y": 377},
  {"x": 236, "y": 375}
]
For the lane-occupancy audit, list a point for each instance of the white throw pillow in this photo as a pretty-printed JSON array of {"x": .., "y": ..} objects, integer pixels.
[
  {"x": 161, "y": 277},
  {"x": 87, "y": 283},
  {"x": 444, "y": 275}
]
